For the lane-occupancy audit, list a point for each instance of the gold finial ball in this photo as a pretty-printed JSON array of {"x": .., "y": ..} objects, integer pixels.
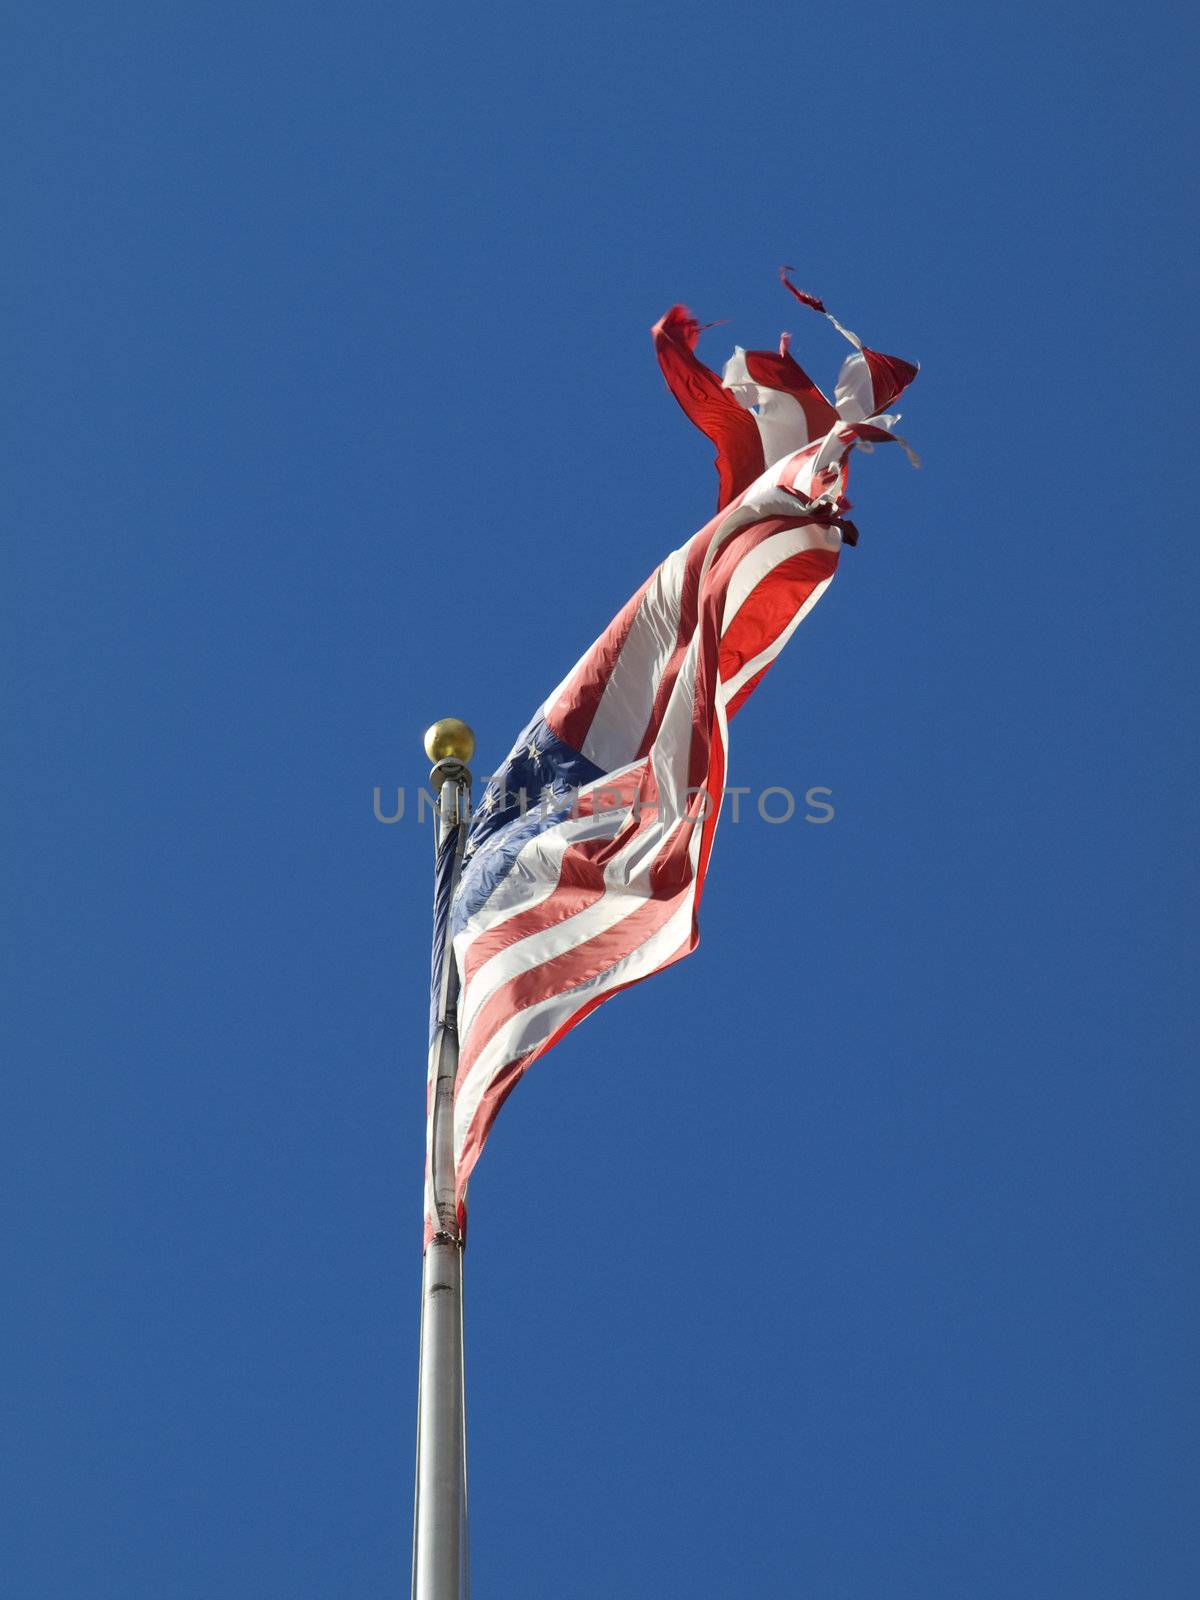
[{"x": 449, "y": 740}]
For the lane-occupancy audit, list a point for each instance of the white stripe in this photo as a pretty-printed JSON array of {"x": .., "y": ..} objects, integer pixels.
[
  {"x": 832, "y": 452},
  {"x": 782, "y": 425},
  {"x": 670, "y": 753},
  {"x": 628, "y": 698},
  {"x": 855, "y": 392}
]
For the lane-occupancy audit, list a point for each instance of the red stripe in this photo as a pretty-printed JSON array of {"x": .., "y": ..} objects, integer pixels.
[
  {"x": 890, "y": 376},
  {"x": 781, "y": 372},
  {"x": 744, "y": 693},
  {"x": 771, "y": 605},
  {"x": 804, "y": 299},
  {"x": 570, "y": 717},
  {"x": 708, "y": 404}
]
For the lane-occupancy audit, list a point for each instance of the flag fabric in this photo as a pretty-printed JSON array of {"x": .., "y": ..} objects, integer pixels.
[
  {"x": 440, "y": 1201},
  {"x": 587, "y": 854}
]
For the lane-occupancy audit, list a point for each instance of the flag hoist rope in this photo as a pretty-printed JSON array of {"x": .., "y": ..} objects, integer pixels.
[{"x": 440, "y": 1558}]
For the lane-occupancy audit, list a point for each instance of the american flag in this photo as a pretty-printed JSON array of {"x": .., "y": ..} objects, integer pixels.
[{"x": 587, "y": 854}]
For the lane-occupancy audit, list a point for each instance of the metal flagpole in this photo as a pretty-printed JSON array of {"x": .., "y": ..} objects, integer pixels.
[{"x": 440, "y": 1514}]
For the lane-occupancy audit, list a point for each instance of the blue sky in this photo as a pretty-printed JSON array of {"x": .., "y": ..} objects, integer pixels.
[{"x": 853, "y": 1257}]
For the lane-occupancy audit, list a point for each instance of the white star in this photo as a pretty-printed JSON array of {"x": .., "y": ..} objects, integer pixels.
[{"x": 534, "y": 754}]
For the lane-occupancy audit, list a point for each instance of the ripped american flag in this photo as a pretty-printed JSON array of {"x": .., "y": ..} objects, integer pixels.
[{"x": 586, "y": 857}]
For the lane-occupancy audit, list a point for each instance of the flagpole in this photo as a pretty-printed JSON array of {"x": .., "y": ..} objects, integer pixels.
[{"x": 440, "y": 1557}]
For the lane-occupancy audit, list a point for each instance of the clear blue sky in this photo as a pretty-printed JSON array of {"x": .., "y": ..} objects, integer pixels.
[{"x": 851, "y": 1259}]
